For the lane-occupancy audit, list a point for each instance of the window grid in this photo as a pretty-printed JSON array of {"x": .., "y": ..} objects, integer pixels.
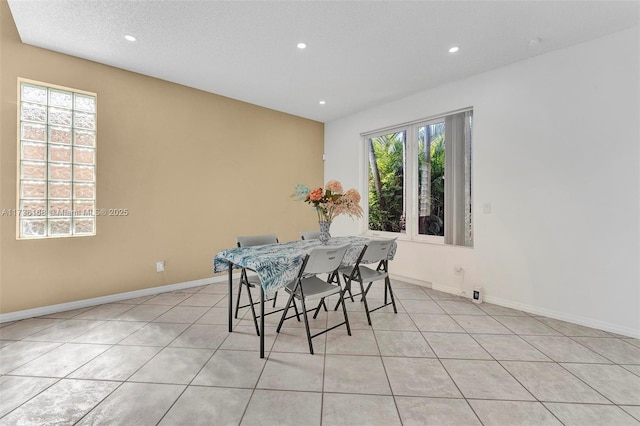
[
  {"x": 57, "y": 160},
  {"x": 425, "y": 200}
]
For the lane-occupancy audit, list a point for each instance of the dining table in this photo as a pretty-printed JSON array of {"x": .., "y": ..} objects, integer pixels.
[{"x": 278, "y": 264}]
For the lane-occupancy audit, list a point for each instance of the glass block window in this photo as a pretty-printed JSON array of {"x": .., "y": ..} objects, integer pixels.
[{"x": 56, "y": 161}]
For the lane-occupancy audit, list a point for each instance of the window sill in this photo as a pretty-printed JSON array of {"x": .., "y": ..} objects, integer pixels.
[{"x": 439, "y": 241}]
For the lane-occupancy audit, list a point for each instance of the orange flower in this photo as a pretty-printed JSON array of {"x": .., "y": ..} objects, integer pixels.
[{"x": 316, "y": 194}]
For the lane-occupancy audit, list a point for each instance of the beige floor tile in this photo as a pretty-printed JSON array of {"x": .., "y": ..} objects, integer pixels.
[
  {"x": 392, "y": 321},
  {"x": 155, "y": 334},
  {"x": 485, "y": 380},
  {"x": 403, "y": 343},
  {"x": 293, "y": 408},
  {"x": 238, "y": 369},
  {"x": 583, "y": 414},
  {"x": 455, "y": 307},
  {"x": 509, "y": 348},
  {"x": 295, "y": 340},
  {"x": 564, "y": 349},
  {"x": 616, "y": 350},
  {"x": 617, "y": 384},
  {"x": 548, "y": 381},
  {"x": 201, "y": 336},
  {"x": 20, "y": 353},
  {"x": 117, "y": 363},
  {"x": 432, "y": 381},
  {"x": 526, "y": 326},
  {"x": 61, "y": 361},
  {"x": 354, "y": 409},
  {"x": 173, "y": 365},
  {"x": 110, "y": 332},
  {"x": 63, "y": 403},
  {"x": 208, "y": 406},
  {"x": 17, "y": 390},
  {"x": 455, "y": 345},
  {"x": 419, "y": 411},
  {"x": 361, "y": 342},
  {"x": 355, "y": 374},
  {"x": 137, "y": 404},
  {"x": 293, "y": 371},
  {"x": 513, "y": 413},
  {"x": 480, "y": 324},
  {"x": 436, "y": 323}
]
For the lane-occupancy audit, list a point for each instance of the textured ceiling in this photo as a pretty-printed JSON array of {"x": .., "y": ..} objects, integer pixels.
[{"x": 359, "y": 54}]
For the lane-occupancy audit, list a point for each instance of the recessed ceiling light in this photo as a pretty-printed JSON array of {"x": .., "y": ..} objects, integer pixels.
[
  {"x": 130, "y": 37},
  {"x": 322, "y": 102},
  {"x": 302, "y": 45},
  {"x": 534, "y": 42},
  {"x": 454, "y": 49}
]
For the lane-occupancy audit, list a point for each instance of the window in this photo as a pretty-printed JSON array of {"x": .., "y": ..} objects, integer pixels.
[
  {"x": 419, "y": 179},
  {"x": 56, "y": 161}
]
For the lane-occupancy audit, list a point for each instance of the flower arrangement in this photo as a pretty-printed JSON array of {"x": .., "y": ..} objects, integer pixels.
[{"x": 330, "y": 201}]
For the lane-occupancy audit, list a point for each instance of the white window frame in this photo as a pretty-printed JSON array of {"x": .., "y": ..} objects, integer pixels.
[
  {"x": 21, "y": 213},
  {"x": 411, "y": 179}
]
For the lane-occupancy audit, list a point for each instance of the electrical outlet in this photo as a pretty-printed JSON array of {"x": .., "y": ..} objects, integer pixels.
[
  {"x": 160, "y": 266},
  {"x": 458, "y": 270}
]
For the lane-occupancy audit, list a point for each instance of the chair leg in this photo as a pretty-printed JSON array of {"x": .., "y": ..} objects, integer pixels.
[
  {"x": 337, "y": 304},
  {"x": 364, "y": 299},
  {"x": 275, "y": 297},
  {"x": 284, "y": 313},
  {"x": 387, "y": 283},
  {"x": 322, "y": 303},
  {"x": 306, "y": 324},
  {"x": 347, "y": 287},
  {"x": 253, "y": 311},
  {"x": 344, "y": 311},
  {"x": 295, "y": 308},
  {"x": 315, "y": 314},
  {"x": 238, "y": 299}
]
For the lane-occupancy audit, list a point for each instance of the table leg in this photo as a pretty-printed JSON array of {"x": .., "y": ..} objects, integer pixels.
[
  {"x": 230, "y": 298},
  {"x": 261, "y": 322}
]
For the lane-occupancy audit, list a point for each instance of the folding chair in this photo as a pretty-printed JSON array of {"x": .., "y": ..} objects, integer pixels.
[
  {"x": 252, "y": 280},
  {"x": 375, "y": 251},
  {"x": 308, "y": 287}
]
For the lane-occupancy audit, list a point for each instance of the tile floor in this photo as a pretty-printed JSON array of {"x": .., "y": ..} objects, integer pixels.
[{"x": 169, "y": 359}]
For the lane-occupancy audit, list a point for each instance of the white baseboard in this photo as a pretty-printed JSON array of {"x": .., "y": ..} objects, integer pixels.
[
  {"x": 587, "y": 322},
  {"x": 78, "y": 304},
  {"x": 410, "y": 280}
]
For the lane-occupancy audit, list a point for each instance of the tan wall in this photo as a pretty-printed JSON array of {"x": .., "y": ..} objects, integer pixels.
[{"x": 194, "y": 169}]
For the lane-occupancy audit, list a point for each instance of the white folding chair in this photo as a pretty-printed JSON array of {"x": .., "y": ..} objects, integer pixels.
[
  {"x": 376, "y": 251},
  {"x": 308, "y": 287},
  {"x": 251, "y": 280}
]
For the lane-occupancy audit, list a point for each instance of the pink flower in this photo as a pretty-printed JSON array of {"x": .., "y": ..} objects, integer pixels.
[
  {"x": 330, "y": 201},
  {"x": 353, "y": 196},
  {"x": 334, "y": 186}
]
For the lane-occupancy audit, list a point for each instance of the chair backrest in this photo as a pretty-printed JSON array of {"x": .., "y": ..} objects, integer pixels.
[
  {"x": 324, "y": 259},
  {"x": 310, "y": 235},
  {"x": 377, "y": 250},
  {"x": 256, "y": 240}
]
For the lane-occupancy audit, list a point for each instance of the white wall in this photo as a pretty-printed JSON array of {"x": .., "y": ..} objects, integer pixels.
[{"x": 556, "y": 154}]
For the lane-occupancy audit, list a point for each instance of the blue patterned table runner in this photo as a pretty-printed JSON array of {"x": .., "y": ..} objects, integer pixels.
[{"x": 279, "y": 264}]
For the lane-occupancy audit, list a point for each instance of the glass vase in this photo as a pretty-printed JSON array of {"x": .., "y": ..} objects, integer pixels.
[{"x": 324, "y": 231}]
